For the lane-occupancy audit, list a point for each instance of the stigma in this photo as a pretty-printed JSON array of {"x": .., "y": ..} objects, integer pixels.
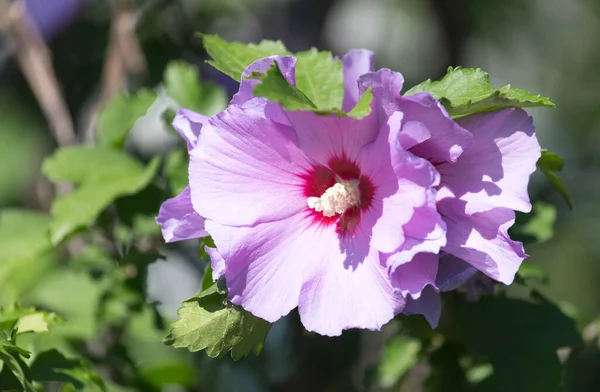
[{"x": 336, "y": 199}]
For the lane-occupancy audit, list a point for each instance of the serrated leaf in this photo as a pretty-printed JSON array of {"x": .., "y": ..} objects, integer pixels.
[
  {"x": 207, "y": 322},
  {"x": 117, "y": 118},
  {"x": 276, "y": 88},
  {"x": 321, "y": 78},
  {"x": 232, "y": 58},
  {"x": 550, "y": 163},
  {"x": 182, "y": 83},
  {"x": 104, "y": 175},
  {"x": 465, "y": 91}
]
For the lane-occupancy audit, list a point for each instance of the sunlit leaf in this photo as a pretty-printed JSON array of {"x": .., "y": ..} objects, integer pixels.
[
  {"x": 207, "y": 322},
  {"x": 465, "y": 91}
]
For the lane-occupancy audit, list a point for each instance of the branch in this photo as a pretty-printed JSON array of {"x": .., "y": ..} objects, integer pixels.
[
  {"x": 124, "y": 55},
  {"x": 36, "y": 64}
]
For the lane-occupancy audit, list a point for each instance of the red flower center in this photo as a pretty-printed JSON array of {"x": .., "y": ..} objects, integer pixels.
[{"x": 321, "y": 178}]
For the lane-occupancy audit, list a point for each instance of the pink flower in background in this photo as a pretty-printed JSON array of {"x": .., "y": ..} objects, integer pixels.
[{"x": 352, "y": 221}]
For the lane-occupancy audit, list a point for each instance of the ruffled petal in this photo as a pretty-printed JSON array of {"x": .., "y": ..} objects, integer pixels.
[
  {"x": 355, "y": 63},
  {"x": 247, "y": 169},
  {"x": 495, "y": 171},
  {"x": 264, "y": 264},
  {"x": 482, "y": 240},
  {"x": 452, "y": 272},
  {"x": 424, "y": 233},
  {"x": 178, "y": 220},
  {"x": 448, "y": 139},
  {"x": 404, "y": 199},
  {"x": 412, "y": 277},
  {"x": 434, "y": 136},
  {"x": 347, "y": 289},
  {"x": 386, "y": 86},
  {"x": 189, "y": 124},
  {"x": 429, "y": 304}
]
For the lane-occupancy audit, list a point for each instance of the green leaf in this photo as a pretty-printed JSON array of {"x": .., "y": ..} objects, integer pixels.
[
  {"x": 363, "y": 106},
  {"x": 75, "y": 297},
  {"x": 529, "y": 271},
  {"x": 207, "y": 322},
  {"x": 277, "y": 89},
  {"x": 104, "y": 175},
  {"x": 550, "y": 163},
  {"x": 465, "y": 91},
  {"x": 176, "y": 170},
  {"x": 520, "y": 339},
  {"x": 117, "y": 118},
  {"x": 15, "y": 373},
  {"x": 23, "y": 237},
  {"x": 79, "y": 164},
  {"x": 8, "y": 345},
  {"x": 399, "y": 355},
  {"x": 37, "y": 322},
  {"x": 156, "y": 363},
  {"x": 207, "y": 279},
  {"x": 53, "y": 366},
  {"x": 321, "y": 78},
  {"x": 182, "y": 83},
  {"x": 232, "y": 58},
  {"x": 541, "y": 223}
]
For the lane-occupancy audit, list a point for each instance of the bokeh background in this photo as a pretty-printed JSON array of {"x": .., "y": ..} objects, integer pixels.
[{"x": 549, "y": 47}]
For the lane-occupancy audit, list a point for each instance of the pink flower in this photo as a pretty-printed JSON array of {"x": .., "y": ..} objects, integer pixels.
[{"x": 343, "y": 218}]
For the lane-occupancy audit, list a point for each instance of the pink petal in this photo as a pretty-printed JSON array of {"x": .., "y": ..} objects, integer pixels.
[
  {"x": 347, "y": 289},
  {"x": 189, "y": 124},
  {"x": 217, "y": 263},
  {"x": 355, "y": 63},
  {"x": 452, "y": 272},
  {"x": 404, "y": 199},
  {"x": 412, "y": 277},
  {"x": 178, "y": 220},
  {"x": 246, "y": 170},
  {"x": 324, "y": 137},
  {"x": 495, "y": 171},
  {"x": 482, "y": 240},
  {"x": 448, "y": 140},
  {"x": 433, "y": 135},
  {"x": 386, "y": 86},
  {"x": 264, "y": 264},
  {"x": 429, "y": 304}
]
